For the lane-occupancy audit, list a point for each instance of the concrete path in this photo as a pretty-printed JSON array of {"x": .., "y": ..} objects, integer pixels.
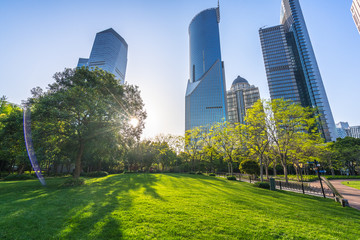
[{"x": 349, "y": 193}]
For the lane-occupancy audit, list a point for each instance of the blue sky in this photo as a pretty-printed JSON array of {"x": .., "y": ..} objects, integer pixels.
[{"x": 40, "y": 38}]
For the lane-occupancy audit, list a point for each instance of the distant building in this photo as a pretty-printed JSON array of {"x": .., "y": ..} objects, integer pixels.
[
  {"x": 240, "y": 98},
  {"x": 291, "y": 66},
  {"x": 109, "y": 52},
  {"x": 355, "y": 10},
  {"x": 355, "y": 131},
  {"x": 344, "y": 130},
  {"x": 205, "y": 99}
]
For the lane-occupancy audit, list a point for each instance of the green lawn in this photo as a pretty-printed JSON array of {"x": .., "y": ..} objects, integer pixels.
[
  {"x": 354, "y": 184},
  {"x": 167, "y": 206}
]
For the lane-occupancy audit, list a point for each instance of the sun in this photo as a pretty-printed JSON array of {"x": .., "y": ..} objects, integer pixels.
[{"x": 134, "y": 122}]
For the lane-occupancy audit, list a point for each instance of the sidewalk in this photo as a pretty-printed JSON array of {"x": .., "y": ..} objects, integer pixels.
[{"x": 349, "y": 193}]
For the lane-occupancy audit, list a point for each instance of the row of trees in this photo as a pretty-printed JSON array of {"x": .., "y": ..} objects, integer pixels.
[
  {"x": 83, "y": 120},
  {"x": 276, "y": 132}
]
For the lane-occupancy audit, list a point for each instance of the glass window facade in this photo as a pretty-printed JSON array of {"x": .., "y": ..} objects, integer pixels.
[
  {"x": 205, "y": 100},
  {"x": 291, "y": 66},
  {"x": 355, "y": 11},
  {"x": 240, "y": 98},
  {"x": 109, "y": 52}
]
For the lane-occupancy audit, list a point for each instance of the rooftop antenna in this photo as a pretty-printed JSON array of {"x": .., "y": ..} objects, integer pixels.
[{"x": 218, "y": 12}]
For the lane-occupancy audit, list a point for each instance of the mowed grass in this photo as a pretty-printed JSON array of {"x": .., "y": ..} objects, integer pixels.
[
  {"x": 353, "y": 184},
  {"x": 167, "y": 206}
]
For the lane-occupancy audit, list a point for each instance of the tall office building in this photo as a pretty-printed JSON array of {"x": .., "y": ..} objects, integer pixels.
[
  {"x": 291, "y": 66},
  {"x": 344, "y": 130},
  {"x": 205, "y": 100},
  {"x": 109, "y": 53},
  {"x": 240, "y": 98},
  {"x": 355, "y": 10}
]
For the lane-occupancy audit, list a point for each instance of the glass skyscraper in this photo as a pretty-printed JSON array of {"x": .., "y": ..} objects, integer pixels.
[
  {"x": 355, "y": 10},
  {"x": 240, "y": 98},
  {"x": 109, "y": 53},
  {"x": 291, "y": 66},
  {"x": 205, "y": 100}
]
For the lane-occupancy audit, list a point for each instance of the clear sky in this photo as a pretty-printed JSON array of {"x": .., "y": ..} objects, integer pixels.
[{"x": 41, "y": 37}]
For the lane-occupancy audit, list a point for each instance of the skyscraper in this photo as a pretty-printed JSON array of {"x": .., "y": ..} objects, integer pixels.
[
  {"x": 109, "y": 53},
  {"x": 291, "y": 66},
  {"x": 205, "y": 100},
  {"x": 355, "y": 10},
  {"x": 240, "y": 98}
]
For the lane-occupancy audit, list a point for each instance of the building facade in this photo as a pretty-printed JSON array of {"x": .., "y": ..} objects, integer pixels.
[
  {"x": 240, "y": 98},
  {"x": 291, "y": 67},
  {"x": 344, "y": 130},
  {"x": 205, "y": 99},
  {"x": 355, "y": 11},
  {"x": 109, "y": 52}
]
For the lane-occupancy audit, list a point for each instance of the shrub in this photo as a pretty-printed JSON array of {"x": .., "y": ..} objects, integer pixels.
[
  {"x": 72, "y": 182},
  {"x": 95, "y": 174},
  {"x": 249, "y": 167},
  {"x": 212, "y": 174},
  {"x": 199, "y": 173},
  {"x": 233, "y": 178},
  {"x": 265, "y": 185},
  {"x": 191, "y": 173},
  {"x": 16, "y": 177}
]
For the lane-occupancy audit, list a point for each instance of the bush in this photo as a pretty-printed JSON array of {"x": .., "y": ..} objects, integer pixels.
[
  {"x": 16, "y": 177},
  {"x": 191, "y": 173},
  {"x": 342, "y": 177},
  {"x": 264, "y": 185},
  {"x": 199, "y": 173},
  {"x": 212, "y": 174},
  {"x": 249, "y": 167},
  {"x": 233, "y": 178},
  {"x": 73, "y": 182},
  {"x": 95, "y": 174}
]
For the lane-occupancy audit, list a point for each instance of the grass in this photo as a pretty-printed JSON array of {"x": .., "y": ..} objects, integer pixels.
[
  {"x": 353, "y": 184},
  {"x": 167, "y": 206}
]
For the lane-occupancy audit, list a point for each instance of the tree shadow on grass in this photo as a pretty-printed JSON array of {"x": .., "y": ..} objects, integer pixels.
[{"x": 93, "y": 211}]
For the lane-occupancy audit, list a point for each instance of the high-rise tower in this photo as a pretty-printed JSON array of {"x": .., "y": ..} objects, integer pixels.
[
  {"x": 205, "y": 100},
  {"x": 291, "y": 66},
  {"x": 355, "y": 10},
  {"x": 240, "y": 98},
  {"x": 109, "y": 53}
]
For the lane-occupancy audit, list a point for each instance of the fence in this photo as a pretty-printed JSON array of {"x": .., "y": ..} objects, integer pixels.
[{"x": 311, "y": 188}]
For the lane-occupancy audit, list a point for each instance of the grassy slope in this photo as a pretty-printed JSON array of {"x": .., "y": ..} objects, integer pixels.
[
  {"x": 354, "y": 184},
  {"x": 167, "y": 206}
]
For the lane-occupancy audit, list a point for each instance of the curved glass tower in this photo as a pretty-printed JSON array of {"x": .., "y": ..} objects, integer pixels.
[
  {"x": 109, "y": 53},
  {"x": 291, "y": 66},
  {"x": 205, "y": 100}
]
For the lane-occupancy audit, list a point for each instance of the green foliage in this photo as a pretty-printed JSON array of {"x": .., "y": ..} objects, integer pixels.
[
  {"x": 84, "y": 118},
  {"x": 95, "y": 174},
  {"x": 250, "y": 167},
  {"x": 17, "y": 177},
  {"x": 342, "y": 177},
  {"x": 306, "y": 178},
  {"x": 199, "y": 173},
  {"x": 264, "y": 185},
  {"x": 353, "y": 184},
  {"x": 73, "y": 182},
  {"x": 232, "y": 178},
  {"x": 212, "y": 174},
  {"x": 151, "y": 206}
]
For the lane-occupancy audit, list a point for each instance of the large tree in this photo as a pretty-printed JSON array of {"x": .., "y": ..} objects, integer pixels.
[{"x": 84, "y": 107}]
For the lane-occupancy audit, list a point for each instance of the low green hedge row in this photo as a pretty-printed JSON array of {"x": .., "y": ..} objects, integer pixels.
[
  {"x": 17, "y": 177},
  {"x": 94, "y": 174},
  {"x": 264, "y": 185}
]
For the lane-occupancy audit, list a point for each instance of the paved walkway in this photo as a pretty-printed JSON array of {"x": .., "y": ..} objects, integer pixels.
[{"x": 349, "y": 193}]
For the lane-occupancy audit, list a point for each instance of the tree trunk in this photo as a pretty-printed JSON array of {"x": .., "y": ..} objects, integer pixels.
[
  {"x": 261, "y": 170},
  {"x": 297, "y": 172},
  {"x": 77, "y": 170},
  {"x": 332, "y": 168},
  {"x": 274, "y": 167},
  {"x": 21, "y": 169},
  {"x": 267, "y": 172}
]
